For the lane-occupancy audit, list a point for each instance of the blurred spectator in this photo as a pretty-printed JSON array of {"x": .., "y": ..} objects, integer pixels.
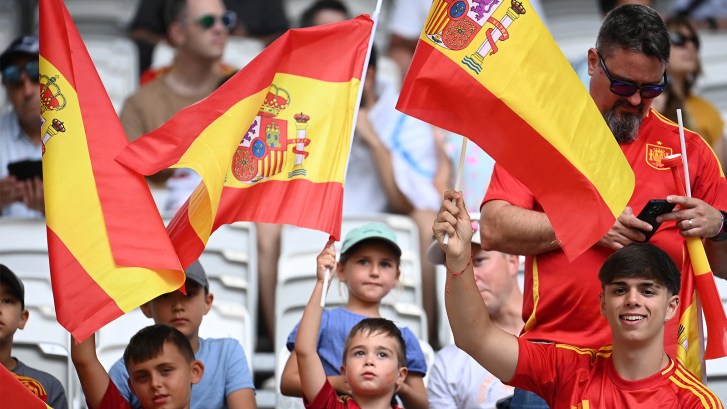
[
  {"x": 406, "y": 21},
  {"x": 683, "y": 69},
  {"x": 13, "y": 317},
  {"x": 456, "y": 380},
  {"x": 264, "y": 20},
  {"x": 198, "y": 29},
  {"x": 20, "y": 138},
  {"x": 324, "y": 12},
  {"x": 710, "y": 14}
]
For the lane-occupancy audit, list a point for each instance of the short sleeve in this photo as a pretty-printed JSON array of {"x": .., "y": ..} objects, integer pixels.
[
  {"x": 536, "y": 369},
  {"x": 415, "y": 361},
  {"x": 119, "y": 376},
  {"x": 504, "y": 186},
  {"x": 238, "y": 371},
  {"x": 113, "y": 399}
]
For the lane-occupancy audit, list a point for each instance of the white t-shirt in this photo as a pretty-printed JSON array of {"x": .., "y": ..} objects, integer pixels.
[{"x": 456, "y": 381}]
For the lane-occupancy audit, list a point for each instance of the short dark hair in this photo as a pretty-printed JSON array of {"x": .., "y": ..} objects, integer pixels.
[
  {"x": 378, "y": 326},
  {"x": 309, "y": 14},
  {"x": 634, "y": 27},
  {"x": 174, "y": 11},
  {"x": 641, "y": 260},
  {"x": 149, "y": 342}
]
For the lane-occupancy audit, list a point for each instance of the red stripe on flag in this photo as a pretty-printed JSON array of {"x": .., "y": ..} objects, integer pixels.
[
  {"x": 186, "y": 242},
  {"x": 508, "y": 138},
  {"x": 288, "y": 54},
  {"x": 82, "y": 306},
  {"x": 298, "y": 202}
]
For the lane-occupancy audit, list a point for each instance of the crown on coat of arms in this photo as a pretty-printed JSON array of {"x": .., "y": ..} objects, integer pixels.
[
  {"x": 517, "y": 6},
  {"x": 276, "y": 100}
]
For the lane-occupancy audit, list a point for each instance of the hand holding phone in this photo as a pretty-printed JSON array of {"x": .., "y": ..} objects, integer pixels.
[
  {"x": 654, "y": 208},
  {"x": 26, "y": 169}
]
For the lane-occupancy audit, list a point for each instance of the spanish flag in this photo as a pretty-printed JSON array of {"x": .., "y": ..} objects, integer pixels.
[
  {"x": 271, "y": 144},
  {"x": 108, "y": 250},
  {"x": 15, "y": 394},
  {"x": 495, "y": 75}
]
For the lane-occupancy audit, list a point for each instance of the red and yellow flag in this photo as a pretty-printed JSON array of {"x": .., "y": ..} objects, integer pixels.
[
  {"x": 494, "y": 74},
  {"x": 108, "y": 250},
  {"x": 14, "y": 394},
  {"x": 271, "y": 144}
]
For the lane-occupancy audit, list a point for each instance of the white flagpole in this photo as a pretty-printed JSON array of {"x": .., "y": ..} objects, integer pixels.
[
  {"x": 688, "y": 189},
  {"x": 374, "y": 17},
  {"x": 458, "y": 180}
]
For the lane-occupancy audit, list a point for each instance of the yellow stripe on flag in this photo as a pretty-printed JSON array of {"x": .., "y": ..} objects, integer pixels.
[{"x": 76, "y": 215}]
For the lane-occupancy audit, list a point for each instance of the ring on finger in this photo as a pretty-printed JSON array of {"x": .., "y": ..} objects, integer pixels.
[{"x": 689, "y": 222}]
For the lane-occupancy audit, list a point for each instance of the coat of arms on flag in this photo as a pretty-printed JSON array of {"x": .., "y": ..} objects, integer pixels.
[
  {"x": 51, "y": 99},
  {"x": 262, "y": 152},
  {"x": 453, "y": 24}
]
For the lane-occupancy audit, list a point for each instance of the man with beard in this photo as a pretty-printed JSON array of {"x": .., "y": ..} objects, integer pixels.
[{"x": 627, "y": 69}]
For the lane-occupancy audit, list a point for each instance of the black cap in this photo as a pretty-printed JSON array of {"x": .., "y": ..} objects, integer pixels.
[
  {"x": 16, "y": 286},
  {"x": 196, "y": 273},
  {"x": 22, "y": 45}
]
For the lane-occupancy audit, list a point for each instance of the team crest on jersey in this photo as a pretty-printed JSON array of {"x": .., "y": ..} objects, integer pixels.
[
  {"x": 582, "y": 405},
  {"x": 262, "y": 152},
  {"x": 655, "y": 154},
  {"x": 34, "y": 386},
  {"x": 454, "y": 24},
  {"x": 51, "y": 99}
]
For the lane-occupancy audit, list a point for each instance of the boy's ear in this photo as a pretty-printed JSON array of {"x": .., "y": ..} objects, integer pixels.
[
  {"x": 197, "y": 368},
  {"x": 146, "y": 309},
  {"x": 208, "y": 302},
  {"x": 340, "y": 272},
  {"x": 23, "y": 319},
  {"x": 672, "y": 307},
  {"x": 403, "y": 371},
  {"x": 602, "y": 301},
  {"x": 343, "y": 373}
]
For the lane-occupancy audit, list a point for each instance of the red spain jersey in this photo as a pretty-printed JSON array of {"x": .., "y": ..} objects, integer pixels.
[
  {"x": 568, "y": 377},
  {"x": 561, "y": 298}
]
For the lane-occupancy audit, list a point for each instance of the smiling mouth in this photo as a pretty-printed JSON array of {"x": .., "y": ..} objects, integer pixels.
[{"x": 632, "y": 318}]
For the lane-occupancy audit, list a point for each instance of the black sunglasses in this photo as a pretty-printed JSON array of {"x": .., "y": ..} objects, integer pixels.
[
  {"x": 228, "y": 19},
  {"x": 627, "y": 89},
  {"x": 12, "y": 73},
  {"x": 679, "y": 40}
]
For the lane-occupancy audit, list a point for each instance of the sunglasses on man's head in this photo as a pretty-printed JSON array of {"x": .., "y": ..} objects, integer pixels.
[
  {"x": 680, "y": 40},
  {"x": 228, "y": 19},
  {"x": 627, "y": 89},
  {"x": 12, "y": 73}
]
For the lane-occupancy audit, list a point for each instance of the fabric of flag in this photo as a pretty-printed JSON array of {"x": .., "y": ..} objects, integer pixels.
[
  {"x": 689, "y": 341},
  {"x": 493, "y": 73},
  {"x": 13, "y": 394},
  {"x": 108, "y": 250},
  {"x": 271, "y": 144}
]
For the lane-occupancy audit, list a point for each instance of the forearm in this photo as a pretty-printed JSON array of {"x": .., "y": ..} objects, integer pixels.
[
  {"x": 467, "y": 314},
  {"x": 474, "y": 332},
  {"x": 717, "y": 256},
  {"x": 514, "y": 230},
  {"x": 311, "y": 373},
  {"x": 94, "y": 378}
]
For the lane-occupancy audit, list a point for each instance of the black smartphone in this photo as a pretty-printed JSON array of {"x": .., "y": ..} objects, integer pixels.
[
  {"x": 654, "y": 208},
  {"x": 26, "y": 169}
]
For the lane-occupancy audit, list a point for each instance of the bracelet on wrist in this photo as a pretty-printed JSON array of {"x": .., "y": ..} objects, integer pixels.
[
  {"x": 722, "y": 234},
  {"x": 459, "y": 274}
]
